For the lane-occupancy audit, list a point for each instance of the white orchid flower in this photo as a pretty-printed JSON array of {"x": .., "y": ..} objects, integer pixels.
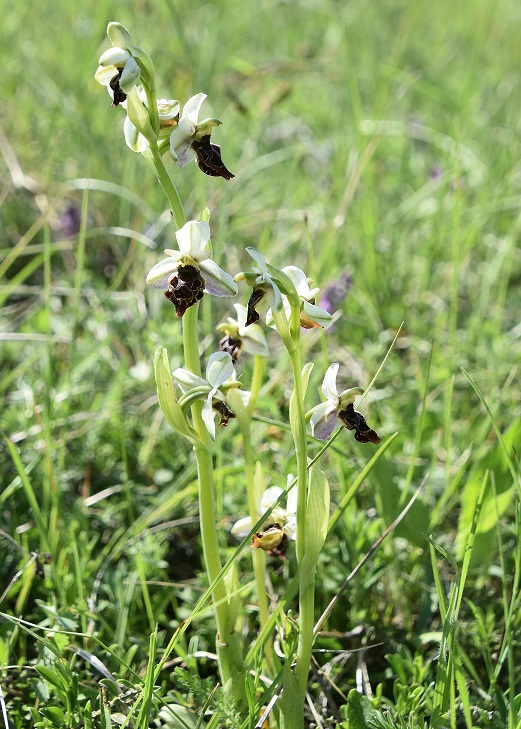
[
  {"x": 191, "y": 140},
  {"x": 218, "y": 370},
  {"x": 118, "y": 70},
  {"x": 238, "y": 337},
  {"x": 325, "y": 416},
  {"x": 339, "y": 407},
  {"x": 168, "y": 113},
  {"x": 284, "y": 519},
  {"x": 266, "y": 292},
  {"x": 189, "y": 272},
  {"x": 311, "y": 316}
]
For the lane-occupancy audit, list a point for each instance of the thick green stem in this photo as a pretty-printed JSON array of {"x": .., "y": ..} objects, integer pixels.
[{"x": 295, "y": 680}]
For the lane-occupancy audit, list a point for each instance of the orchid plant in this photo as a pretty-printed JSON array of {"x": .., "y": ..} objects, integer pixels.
[{"x": 156, "y": 128}]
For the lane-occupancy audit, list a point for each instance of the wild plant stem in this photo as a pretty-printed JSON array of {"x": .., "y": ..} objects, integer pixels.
[
  {"x": 168, "y": 186},
  {"x": 258, "y": 556},
  {"x": 229, "y": 649},
  {"x": 295, "y": 680}
]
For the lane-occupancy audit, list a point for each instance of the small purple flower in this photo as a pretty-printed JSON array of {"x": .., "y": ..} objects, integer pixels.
[
  {"x": 335, "y": 292},
  {"x": 436, "y": 171},
  {"x": 70, "y": 220}
]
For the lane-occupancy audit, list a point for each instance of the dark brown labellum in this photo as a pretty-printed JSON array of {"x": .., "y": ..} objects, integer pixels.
[
  {"x": 230, "y": 345},
  {"x": 185, "y": 288},
  {"x": 40, "y": 561},
  {"x": 254, "y": 300},
  {"x": 224, "y": 412},
  {"x": 353, "y": 420},
  {"x": 119, "y": 95},
  {"x": 209, "y": 158}
]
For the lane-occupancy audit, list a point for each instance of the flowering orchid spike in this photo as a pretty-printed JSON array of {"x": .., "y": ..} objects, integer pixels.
[
  {"x": 242, "y": 337},
  {"x": 192, "y": 138},
  {"x": 340, "y": 407},
  {"x": 189, "y": 272}
]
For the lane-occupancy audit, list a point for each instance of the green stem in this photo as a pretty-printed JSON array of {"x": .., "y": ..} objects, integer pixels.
[
  {"x": 229, "y": 648},
  {"x": 168, "y": 186},
  {"x": 296, "y": 680},
  {"x": 258, "y": 556}
]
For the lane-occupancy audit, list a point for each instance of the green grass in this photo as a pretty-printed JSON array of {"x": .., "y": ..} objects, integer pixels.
[{"x": 378, "y": 139}]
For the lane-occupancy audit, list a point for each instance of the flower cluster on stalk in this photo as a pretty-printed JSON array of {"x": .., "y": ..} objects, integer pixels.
[
  {"x": 125, "y": 69},
  {"x": 154, "y": 127}
]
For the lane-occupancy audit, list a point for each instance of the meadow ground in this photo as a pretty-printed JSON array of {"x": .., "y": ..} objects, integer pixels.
[{"x": 375, "y": 145}]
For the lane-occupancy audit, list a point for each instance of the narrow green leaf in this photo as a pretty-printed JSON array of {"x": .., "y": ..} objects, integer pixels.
[{"x": 52, "y": 677}]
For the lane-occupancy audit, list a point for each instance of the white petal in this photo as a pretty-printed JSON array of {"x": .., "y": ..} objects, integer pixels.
[
  {"x": 158, "y": 276},
  {"x": 192, "y": 107},
  {"x": 114, "y": 57},
  {"x": 245, "y": 396},
  {"x": 242, "y": 527},
  {"x": 187, "y": 380},
  {"x": 176, "y": 139},
  {"x": 318, "y": 315},
  {"x": 269, "y": 497},
  {"x": 323, "y": 421},
  {"x": 217, "y": 281},
  {"x": 259, "y": 260},
  {"x": 134, "y": 139},
  {"x": 167, "y": 108},
  {"x": 242, "y": 315},
  {"x": 208, "y": 416},
  {"x": 290, "y": 528},
  {"x": 275, "y": 297},
  {"x": 105, "y": 74},
  {"x": 119, "y": 35},
  {"x": 219, "y": 368},
  {"x": 130, "y": 76},
  {"x": 193, "y": 238},
  {"x": 254, "y": 341},
  {"x": 299, "y": 280},
  {"x": 185, "y": 153},
  {"x": 329, "y": 383},
  {"x": 291, "y": 505}
]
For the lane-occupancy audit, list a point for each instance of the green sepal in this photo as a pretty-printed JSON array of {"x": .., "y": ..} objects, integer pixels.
[
  {"x": 167, "y": 400},
  {"x": 119, "y": 35},
  {"x": 138, "y": 115},
  {"x": 204, "y": 215},
  {"x": 306, "y": 372}
]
